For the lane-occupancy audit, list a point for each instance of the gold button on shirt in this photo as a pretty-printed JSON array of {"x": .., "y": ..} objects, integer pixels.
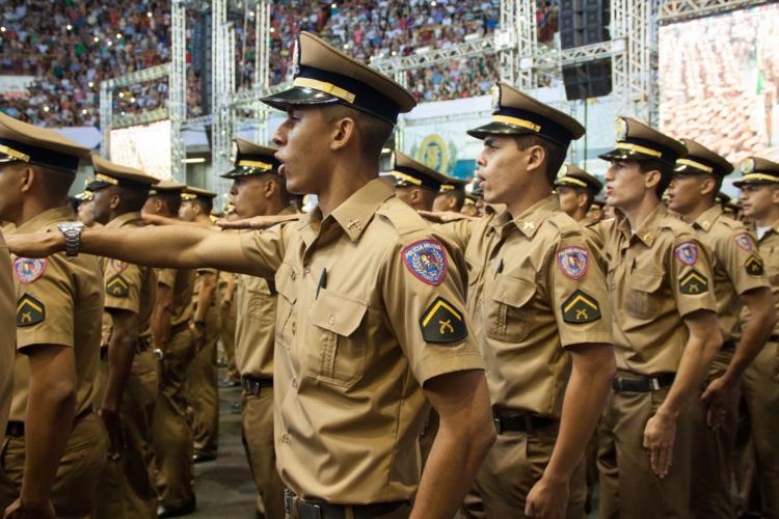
[
  {"x": 736, "y": 264},
  {"x": 127, "y": 286},
  {"x": 7, "y": 339},
  {"x": 656, "y": 277},
  {"x": 358, "y": 294},
  {"x": 536, "y": 286},
  {"x": 59, "y": 301}
]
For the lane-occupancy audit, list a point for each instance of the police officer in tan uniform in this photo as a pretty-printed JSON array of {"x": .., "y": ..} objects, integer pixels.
[
  {"x": 451, "y": 196},
  {"x": 172, "y": 433},
  {"x": 54, "y": 444},
  {"x": 415, "y": 183},
  {"x": 8, "y": 340},
  {"x": 226, "y": 289},
  {"x": 370, "y": 322},
  {"x": 257, "y": 190},
  {"x": 738, "y": 282},
  {"x": 537, "y": 294},
  {"x": 127, "y": 488},
  {"x": 760, "y": 199},
  {"x": 666, "y": 332},
  {"x": 196, "y": 206},
  {"x": 576, "y": 190}
]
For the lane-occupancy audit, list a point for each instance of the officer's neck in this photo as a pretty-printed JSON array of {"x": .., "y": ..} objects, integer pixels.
[
  {"x": 637, "y": 214},
  {"x": 530, "y": 196},
  {"x": 694, "y": 213},
  {"x": 770, "y": 219}
]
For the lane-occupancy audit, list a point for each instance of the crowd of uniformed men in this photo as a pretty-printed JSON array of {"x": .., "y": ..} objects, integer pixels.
[{"x": 402, "y": 353}]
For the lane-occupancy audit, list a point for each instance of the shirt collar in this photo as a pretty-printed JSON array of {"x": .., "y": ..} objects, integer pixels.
[
  {"x": 648, "y": 231},
  {"x": 124, "y": 219},
  {"x": 707, "y": 218},
  {"x": 355, "y": 213},
  {"x": 529, "y": 221},
  {"x": 58, "y": 214}
]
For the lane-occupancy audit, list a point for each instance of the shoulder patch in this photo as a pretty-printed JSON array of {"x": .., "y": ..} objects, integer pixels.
[
  {"x": 27, "y": 270},
  {"x": 29, "y": 311},
  {"x": 573, "y": 261},
  {"x": 687, "y": 253},
  {"x": 117, "y": 286},
  {"x": 744, "y": 241},
  {"x": 426, "y": 259},
  {"x": 754, "y": 266},
  {"x": 581, "y": 308},
  {"x": 693, "y": 283},
  {"x": 442, "y": 323},
  {"x": 119, "y": 266}
]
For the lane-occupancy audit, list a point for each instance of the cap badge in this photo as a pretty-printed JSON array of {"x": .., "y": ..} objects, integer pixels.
[
  {"x": 234, "y": 152},
  {"x": 747, "y": 166},
  {"x": 622, "y": 129},
  {"x": 296, "y": 59},
  {"x": 495, "y": 92}
]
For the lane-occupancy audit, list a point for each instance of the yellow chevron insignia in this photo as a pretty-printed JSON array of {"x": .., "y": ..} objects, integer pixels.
[
  {"x": 117, "y": 286},
  {"x": 29, "y": 311},
  {"x": 754, "y": 266},
  {"x": 580, "y": 308},
  {"x": 694, "y": 283},
  {"x": 443, "y": 323}
]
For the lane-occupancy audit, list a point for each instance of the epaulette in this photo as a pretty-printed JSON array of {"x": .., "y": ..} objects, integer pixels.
[{"x": 402, "y": 217}]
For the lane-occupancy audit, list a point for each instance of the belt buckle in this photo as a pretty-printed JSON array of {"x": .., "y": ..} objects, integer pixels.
[
  {"x": 498, "y": 426},
  {"x": 308, "y": 510},
  {"x": 618, "y": 384},
  {"x": 654, "y": 383}
]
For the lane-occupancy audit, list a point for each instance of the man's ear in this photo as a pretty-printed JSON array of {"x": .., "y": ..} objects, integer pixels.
[
  {"x": 344, "y": 131},
  {"x": 536, "y": 157}
]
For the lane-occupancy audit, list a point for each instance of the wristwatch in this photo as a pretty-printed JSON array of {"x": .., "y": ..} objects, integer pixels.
[{"x": 72, "y": 233}]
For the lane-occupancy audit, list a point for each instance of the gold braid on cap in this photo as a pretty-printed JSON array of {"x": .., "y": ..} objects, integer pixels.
[
  {"x": 571, "y": 180},
  {"x": 407, "y": 178},
  {"x": 695, "y": 165},
  {"x": 18, "y": 155},
  {"x": 327, "y": 88},
  {"x": 99, "y": 177},
  {"x": 255, "y": 164},
  {"x": 638, "y": 149},
  {"x": 516, "y": 121}
]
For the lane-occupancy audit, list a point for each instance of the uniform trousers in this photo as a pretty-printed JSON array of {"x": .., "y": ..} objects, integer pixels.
[
  {"x": 513, "y": 465},
  {"x": 227, "y": 337},
  {"x": 75, "y": 485},
  {"x": 126, "y": 489},
  {"x": 712, "y": 453},
  {"x": 202, "y": 392},
  {"x": 628, "y": 487},
  {"x": 760, "y": 388},
  {"x": 257, "y": 422},
  {"x": 401, "y": 513},
  {"x": 172, "y": 436}
]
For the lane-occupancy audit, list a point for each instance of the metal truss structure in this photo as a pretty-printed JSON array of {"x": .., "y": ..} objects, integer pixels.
[
  {"x": 672, "y": 11},
  {"x": 223, "y": 62},
  {"x": 177, "y": 91}
]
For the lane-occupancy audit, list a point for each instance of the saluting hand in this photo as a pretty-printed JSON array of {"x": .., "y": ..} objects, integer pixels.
[
  {"x": 256, "y": 222},
  {"x": 659, "y": 436},
  {"x": 547, "y": 500},
  {"x": 444, "y": 216},
  {"x": 17, "y": 510}
]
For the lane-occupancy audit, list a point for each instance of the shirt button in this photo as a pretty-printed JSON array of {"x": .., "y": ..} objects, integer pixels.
[
  {"x": 294, "y": 382},
  {"x": 294, "y": 328},
  {"x": 307, "y": 270},
  {"x": 285, "y": 438},
  {"x": 332, "y": 319}
]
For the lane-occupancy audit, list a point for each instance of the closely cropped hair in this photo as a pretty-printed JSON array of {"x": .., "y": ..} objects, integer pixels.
[
  {"x": 555, "y": 154},
  {"x": 374, "y": 132},
  {"x": 171, "y": 200},
  {"x": 130, "y": 200},
  {"x": 666, "y": 174},
  {"x": 206, "y": 204}
]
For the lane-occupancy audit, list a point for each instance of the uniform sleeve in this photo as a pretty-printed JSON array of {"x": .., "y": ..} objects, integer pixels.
[
  {"x": 690, "y": 276},
  {"x": 458, "y": 233},
  {"x": 742, "y": 261},
  {"x": 123, "y": 282},
  {"x": 167, "y": 277},
  {"x": 266, "y": 249},
  {"x": 44, "y": 313},
  {"x": 423, "y": 295},
  {"x": 579, "y": 297}
]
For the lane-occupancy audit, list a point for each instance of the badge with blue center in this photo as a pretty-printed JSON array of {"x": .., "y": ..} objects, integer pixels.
[
  {"x": 27, "y": 270},
  {"x": 573, "y": 261},
  {"x": 687, "y": 253},
  {"x": 426, "y": 259}
]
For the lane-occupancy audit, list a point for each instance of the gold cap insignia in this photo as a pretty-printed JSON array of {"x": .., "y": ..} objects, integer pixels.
[
  {"x": 747, "y": 166},
  {"x": 234, "y": 152},
  {"x": 296, "y": 59},
  {"x": 495, "y": 93},
  {"x": 622, "y": 129}
]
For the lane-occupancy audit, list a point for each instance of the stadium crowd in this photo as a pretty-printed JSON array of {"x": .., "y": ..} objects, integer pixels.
[{"x": 70, "y": 46}]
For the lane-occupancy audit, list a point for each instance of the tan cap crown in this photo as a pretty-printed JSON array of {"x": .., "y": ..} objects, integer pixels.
[
  {"x": 701, "y": 160},
  {"x": 573, "y": 176},
  {"x": 638, "y": 141},
  {"x": 757, "y": 170},
  {"x": 20, "y": 141},
  {"x": 109, "y": 173}
]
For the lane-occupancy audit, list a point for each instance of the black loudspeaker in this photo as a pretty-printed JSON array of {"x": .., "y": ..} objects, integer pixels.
[{"x": 584, "y": 22}]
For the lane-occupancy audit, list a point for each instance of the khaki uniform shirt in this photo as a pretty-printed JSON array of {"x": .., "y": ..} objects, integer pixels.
[
  {"x": 256, "y": 323},
  {"x": 768, "y": 247},
  {"x": 656, "y": 277},
  {"x": 59, "y": 301},
  {"x": 369, "y": 309},
  {"x": 129, "y": 287},
  {"x": 592, "y": 231},
  {"x": 8, "y": 337},
  {"x": 736, "y": 264},
  {"x": 536, "y": 287},
  {"x": 182, "y": 283}
]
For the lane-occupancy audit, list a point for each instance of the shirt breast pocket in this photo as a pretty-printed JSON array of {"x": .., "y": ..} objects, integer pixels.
[
  {"x": 285, "y": 306},
  {"x": 336, "y": 353},
  {"x": 643, "y": 299},
  {"x": 510, "y": 309}
]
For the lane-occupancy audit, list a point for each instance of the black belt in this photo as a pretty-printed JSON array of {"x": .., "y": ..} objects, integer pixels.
[
  {"x": 728, "y": 345},
  {"x": 773, "y": 338},
  {"x": 254, "y": 385},
  {"x": 311, "y": 510},
  {"x": 505, "y": 422},
  {"x": 642, "y": 384},
  {"x": 15, "y": 429}
]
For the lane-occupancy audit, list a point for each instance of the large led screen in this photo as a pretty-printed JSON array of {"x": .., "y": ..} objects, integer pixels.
[{"x": 145, "y": 147}]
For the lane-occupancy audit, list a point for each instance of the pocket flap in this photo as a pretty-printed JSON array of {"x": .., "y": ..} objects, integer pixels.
[
  {"x": 515, "y": 292},
  {"x": 337, "y": 313},
  {"x": 646, "y": 280}
]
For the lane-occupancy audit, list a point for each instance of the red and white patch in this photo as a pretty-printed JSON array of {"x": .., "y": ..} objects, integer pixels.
[
  {"x": 426, "y": 259},
  {"x": 27, "y": 270},
  {"x": 573, "y": 261},
  {"x": 119, "y": 266},
  {"x": 687, "y": 253},
  {"x": 744, "y": 241}
]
